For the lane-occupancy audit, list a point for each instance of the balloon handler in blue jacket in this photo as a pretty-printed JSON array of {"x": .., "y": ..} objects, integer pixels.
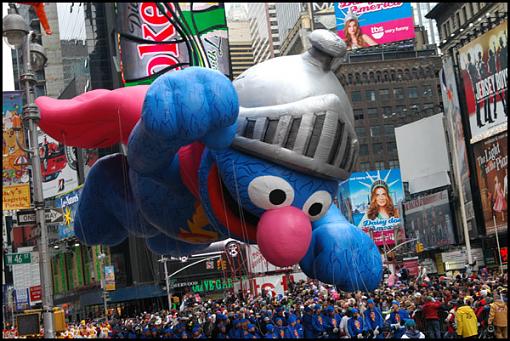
[
  {"x": 373, "y": 320},
  {"x": 397, "y": 319},
  {"x": 355, "y": 325},
  {"x": 258, "y": 159}
]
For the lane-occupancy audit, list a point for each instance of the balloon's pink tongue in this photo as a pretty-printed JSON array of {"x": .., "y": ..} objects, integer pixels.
[{"x": 283, "y": 235}]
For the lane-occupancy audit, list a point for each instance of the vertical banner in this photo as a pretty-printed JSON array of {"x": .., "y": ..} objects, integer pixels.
[
  {"x": 14, "y": 172},
  {"x": 492, "y": 173},
  {"x": 364, "y": 24},
  {"x": 374, "y": 198},
  {"x": 158, "y": 37},
  {"x": 483, "y": 71},
  {"x": 69, "y": 204},
  {"x": 57, "y": 167},
  {"x": 109, "y": 277},
  {"x": 451, "y": 105}
]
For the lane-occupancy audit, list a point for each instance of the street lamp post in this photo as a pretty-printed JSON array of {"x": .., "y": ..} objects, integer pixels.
[
  {"x": 164, "y": 260},
  {"x": 102, "y": 258},
  {"x": 15, "y": 31}
]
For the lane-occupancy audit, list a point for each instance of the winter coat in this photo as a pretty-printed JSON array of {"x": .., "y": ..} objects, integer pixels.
[
  {"x": 467, "y": 324},
  {"x": 498, "y": 314},
  {"x": 430, "y": 310},
  {"x": 355, "y": 326}
]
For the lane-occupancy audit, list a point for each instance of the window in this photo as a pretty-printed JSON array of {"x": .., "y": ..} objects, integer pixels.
[
  {"x": 464, "y": 12},
  {"x": 384, "y": 94},
  {"x": 428, "y": 108},
  {"x": 375, "y": 131},
  {"x": 372, "y": 113},
  {"x": 427, "y": 90},
  {"x": 413, "y": 92},
  {"x": 414, "y": 109},
  {"x": 398, "y": 93},
  {"x": 379, "y": 165},
  {"x": 358, "y": 114},
  {"x": 387, "y": 111},
  {"x": 371, "y": 95},
  {"x": 364, "y": 166},
  {"x": 360, "y": 131},
  {"x": 378, "y": 148},
  {"x": 393, "y": 164},
  {"x": 356, "y": 96},
  {"x": 392, "y": 147},
  {"x": 388, "y": 129},
  {"x": 363, "y": 150},
  {"x": 400, "y": 109}
]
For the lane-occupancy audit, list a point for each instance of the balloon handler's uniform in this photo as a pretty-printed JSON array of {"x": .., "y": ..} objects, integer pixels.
[{"x": 258, "y": 160}]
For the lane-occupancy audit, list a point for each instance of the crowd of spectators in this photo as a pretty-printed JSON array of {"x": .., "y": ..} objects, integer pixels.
[{"x": 425, "y": 307}]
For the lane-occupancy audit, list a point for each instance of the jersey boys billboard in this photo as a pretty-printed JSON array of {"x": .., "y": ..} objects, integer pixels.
[
  {"x": 483, "y": 71},
  {"x": 159, "y": 37},
  {"x": 374, "y": 199},
  {"x": 364, "y": 24}
]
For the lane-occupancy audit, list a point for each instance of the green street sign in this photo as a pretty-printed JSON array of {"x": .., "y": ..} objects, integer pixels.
[{"x": 18, "y": 258}]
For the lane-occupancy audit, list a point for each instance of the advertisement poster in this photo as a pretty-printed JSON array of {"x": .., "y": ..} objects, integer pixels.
[
  {"x": 159, "y": 37},
  {"x": 257, "y": 262},
  {"x": 483, "y": 71},
  {"x": 16, "y": 197},
  {"x": 453, "y": 114},
  {"x": 429, "y": 219},
  {"x": 13, "y": 158},
  {"x": 57, "y": 167},
  {"x": 365, "y": 24},
  {"x": 375, "y": 198},
  {"x": 109, "y": 277},
  {"x": 491, "y": 157},
  {"x": 69, "y": 204}
]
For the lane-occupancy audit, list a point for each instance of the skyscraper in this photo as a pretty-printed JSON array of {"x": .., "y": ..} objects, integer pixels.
[
  {"x": 240, "y": 43},
  {"x": 419, "y": 11},
  {"x": 264, "y": 31}
]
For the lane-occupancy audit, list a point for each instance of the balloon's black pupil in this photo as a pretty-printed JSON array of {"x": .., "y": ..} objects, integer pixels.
[
  {"x": 277, "y": 196},
  {"x": 315, "y": 209}
]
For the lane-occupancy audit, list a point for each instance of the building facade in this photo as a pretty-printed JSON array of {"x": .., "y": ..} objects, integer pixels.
[
  {"x": 459, "y": 25},
  {"x": 240, "y": 43},
  {"x": 386, "y": 94},
  {"x": 264, "y": 31}
]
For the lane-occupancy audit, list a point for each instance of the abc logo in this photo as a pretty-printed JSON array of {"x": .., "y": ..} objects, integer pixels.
[{"x": 377, "y": 32}]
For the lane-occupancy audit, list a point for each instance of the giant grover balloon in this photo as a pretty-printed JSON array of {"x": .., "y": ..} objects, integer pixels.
[{"x": 258, "y": 160}]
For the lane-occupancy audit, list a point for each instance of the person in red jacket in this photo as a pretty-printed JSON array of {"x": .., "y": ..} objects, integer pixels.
[{"x": 430, "y": 312}]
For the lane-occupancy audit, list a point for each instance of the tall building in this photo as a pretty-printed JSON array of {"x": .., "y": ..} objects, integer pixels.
[
  {"x": 388, "y": 90},
  {"x": 240, "y": 44},
  {"x": 420, "y": 9},
  {"x": 264, "y": 31}
]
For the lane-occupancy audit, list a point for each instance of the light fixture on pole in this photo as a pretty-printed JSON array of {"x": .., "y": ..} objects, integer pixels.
[
  {"x": 17, "y": 35},
  {"x": 168, "y": 295},
  {"x": 102, "y": 258}
]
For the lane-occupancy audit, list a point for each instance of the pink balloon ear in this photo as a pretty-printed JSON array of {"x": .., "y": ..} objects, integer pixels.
[{"x": 96, "y": 119}]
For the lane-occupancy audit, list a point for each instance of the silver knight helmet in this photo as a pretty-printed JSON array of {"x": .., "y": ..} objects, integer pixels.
[{"x": 294, "y": 111}]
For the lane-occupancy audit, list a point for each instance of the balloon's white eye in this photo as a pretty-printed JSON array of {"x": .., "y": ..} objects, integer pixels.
[
  {"x": 268, "y": 192},
  {"x": 317, "y": 205}
]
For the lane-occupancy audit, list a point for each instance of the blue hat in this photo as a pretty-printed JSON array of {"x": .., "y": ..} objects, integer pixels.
[
  {"x": 278, "y": 319},
  {"x": 410, "y": 323},
  {"x": 196, "y": 329},
  {"x": 270, "y": 327},
  {"x": 250, "y": 326},
  {"x": 395, "y": 302},
  {"x": 317, "y": 307},
  {"x": 330, "y": 309},
  {"x": 307, "y": 308},
  {"x": 354, "y": 310},
  {"x": 292, "y": 318},
  {"x": 370, "y": 301}
]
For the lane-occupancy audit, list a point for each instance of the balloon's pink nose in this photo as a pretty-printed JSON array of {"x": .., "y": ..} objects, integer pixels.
[{"x": 283, "y": 235}]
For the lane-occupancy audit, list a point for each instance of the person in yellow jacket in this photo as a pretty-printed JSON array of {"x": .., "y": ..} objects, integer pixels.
[
  {"x": 498, "y": 316},
  {"x": 465, "y": 318}
]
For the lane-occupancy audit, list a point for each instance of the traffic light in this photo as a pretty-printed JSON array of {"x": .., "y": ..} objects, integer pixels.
[
  {"x": 223, "y": 265},
  {"x": 218, "y": 264},
  {"x": 419, "y": 247}
]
